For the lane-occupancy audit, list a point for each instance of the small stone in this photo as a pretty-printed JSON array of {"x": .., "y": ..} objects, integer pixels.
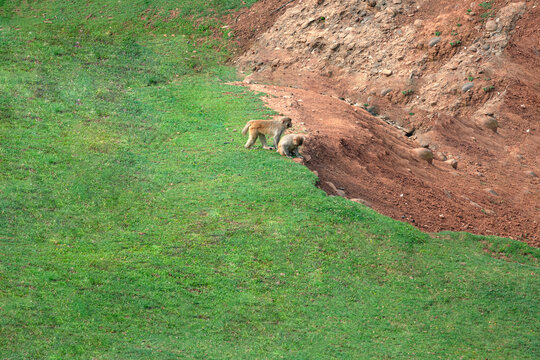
[
  {"x": 489, "y": 122},
  {"x": 440, "y": 156},
  {"x": 468, "y": 86},
  {"x": 491, "y": 25},
  {"x": 423, "y": 154},
  {"x": 531, "y": 173},
  {"x": 386, "y": 92},
  {"x": 452, "y": 162},
  {"x": 418, "y": 23},
  {"x": 335, "y": 189},
  {"x": 491, "y": 191},
  {"x": 316, "y": 173},
  {"x": 486, "y": 46},
  {"x": 341, "y": 193},
  {"x": 387, "y": 72},
  {"x": 434, "y": 41},
  {"x": 396, "y": 2},
  {"x": 362, "y": 201}
]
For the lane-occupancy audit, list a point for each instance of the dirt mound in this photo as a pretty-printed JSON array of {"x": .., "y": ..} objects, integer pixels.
[{"x": 459, "y": 78}]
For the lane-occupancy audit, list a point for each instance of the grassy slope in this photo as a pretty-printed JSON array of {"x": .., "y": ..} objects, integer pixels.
[{"x": 134, "y": 225}]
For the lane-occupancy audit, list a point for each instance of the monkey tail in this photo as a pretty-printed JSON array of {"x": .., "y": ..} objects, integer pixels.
[{"x": 246, "y": 128}]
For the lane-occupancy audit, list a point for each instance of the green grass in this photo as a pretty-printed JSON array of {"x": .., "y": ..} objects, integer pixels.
[
  {"x": 134, "y": 225},
  {"x": 486, "y": 5}
]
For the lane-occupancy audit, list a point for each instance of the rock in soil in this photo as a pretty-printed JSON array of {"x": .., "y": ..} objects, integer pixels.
[
  {"x": 489, "y": 122},
  {"x": 424, "y": 154}
]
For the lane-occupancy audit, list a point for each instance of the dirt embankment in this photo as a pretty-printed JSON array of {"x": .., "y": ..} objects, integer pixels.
[{"x": 371, "y": 82}]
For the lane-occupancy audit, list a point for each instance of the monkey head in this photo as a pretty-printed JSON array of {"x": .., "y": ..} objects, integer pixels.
[{"x": 286, "y": 121}]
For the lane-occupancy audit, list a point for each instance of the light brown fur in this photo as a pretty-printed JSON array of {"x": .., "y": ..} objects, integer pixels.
[
  {"x": 260, "y": 128},
  {"x": 289, "y": 144}
]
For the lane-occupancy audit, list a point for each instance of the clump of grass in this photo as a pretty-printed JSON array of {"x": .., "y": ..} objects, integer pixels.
[
  {"x": 488, "y": 14},
  {"x": 407, "y": 92},
  {"x": 438, "y": 33},
  {"x": 486, "y": 5}
]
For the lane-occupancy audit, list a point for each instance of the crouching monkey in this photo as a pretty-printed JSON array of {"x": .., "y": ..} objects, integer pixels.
[
  {"x": 289, "y": 144},
  {"x": 260, "y": 128}
]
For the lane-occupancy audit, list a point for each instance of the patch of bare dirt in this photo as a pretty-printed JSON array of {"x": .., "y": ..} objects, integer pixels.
[
  {"x": 453, "y": 76},
  {"x": 250, "y": 23}
]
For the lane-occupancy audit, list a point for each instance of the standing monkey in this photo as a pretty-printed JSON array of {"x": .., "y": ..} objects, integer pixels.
[
  {"x": 258, "y": 128},
  {"x": 289, "y": 144}
]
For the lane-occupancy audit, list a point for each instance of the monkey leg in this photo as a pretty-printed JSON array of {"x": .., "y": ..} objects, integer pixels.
[
  {"x": 252, "y": 139},
  {"x": 297, "y": 154},
  {"x": 287, "y": 152},
  {"x": 276, "y": 140},
  {"x": 263, "y": 142}
]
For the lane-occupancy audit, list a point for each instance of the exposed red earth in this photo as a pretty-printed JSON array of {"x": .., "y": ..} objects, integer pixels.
[{"x": 458, "y": 78}]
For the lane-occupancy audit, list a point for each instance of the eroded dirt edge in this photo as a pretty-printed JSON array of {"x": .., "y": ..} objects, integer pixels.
[{"x": 371, "y": 159}]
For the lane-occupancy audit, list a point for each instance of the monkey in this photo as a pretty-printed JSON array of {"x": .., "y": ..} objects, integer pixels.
[
  {"x": 289, "y": 144},
  {"x": 258, "y": 128}
]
